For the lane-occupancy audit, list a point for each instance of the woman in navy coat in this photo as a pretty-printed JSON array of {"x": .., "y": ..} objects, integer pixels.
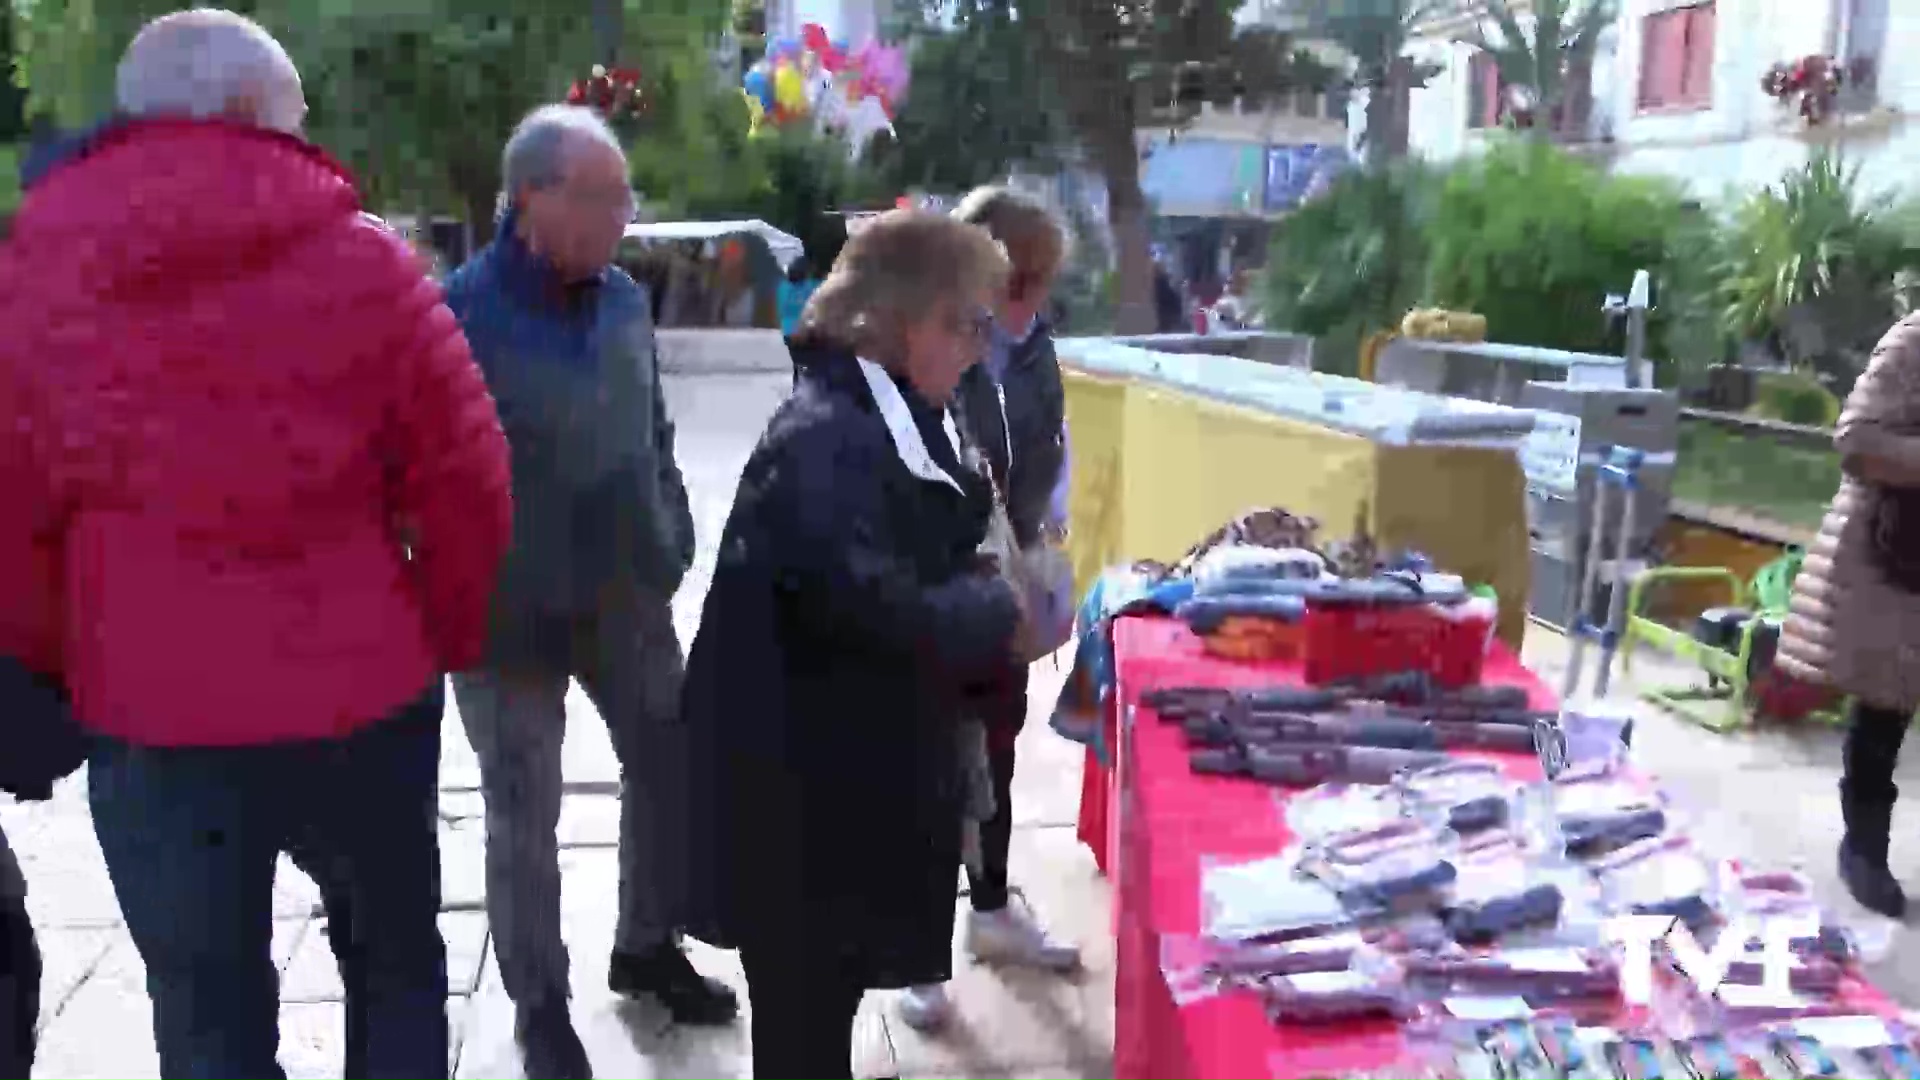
[{"x": 848, "y": 608}]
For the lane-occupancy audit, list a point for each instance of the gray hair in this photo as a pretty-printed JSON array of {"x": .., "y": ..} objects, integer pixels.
[
  {"x": 536, "y": 152},
  {"x": 207, "y": 63}
]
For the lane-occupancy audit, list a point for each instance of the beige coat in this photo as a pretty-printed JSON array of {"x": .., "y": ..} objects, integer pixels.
[{"x": 1848, "y": 627}]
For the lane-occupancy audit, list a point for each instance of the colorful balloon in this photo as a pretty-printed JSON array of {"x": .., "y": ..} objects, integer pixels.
[
  {"x": 782, "y": 48},
  {"x": 886, "y": 65},
  {"x": 758, "y": 87},
  {"x": 790, "y": 89}
]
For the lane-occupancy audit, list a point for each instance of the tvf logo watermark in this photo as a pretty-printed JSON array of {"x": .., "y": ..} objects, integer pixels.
[{"x": 1709, "y": 968}]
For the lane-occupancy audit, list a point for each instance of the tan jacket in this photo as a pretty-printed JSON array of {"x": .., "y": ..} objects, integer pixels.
[{"x": 1848, "y": 627}]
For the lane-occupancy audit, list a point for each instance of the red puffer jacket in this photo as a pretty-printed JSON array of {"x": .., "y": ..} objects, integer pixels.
[{"x": 230, "y": 405}]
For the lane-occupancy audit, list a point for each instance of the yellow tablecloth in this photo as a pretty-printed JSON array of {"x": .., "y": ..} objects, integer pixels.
[{"x": 1155, "y": 469}]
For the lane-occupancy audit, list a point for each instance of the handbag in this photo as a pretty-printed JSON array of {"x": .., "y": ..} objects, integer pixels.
[
  {"x": 1042, "y": 573},
  {"x": 43, "y": 742},
  {"x": 1894, "y": 536}
]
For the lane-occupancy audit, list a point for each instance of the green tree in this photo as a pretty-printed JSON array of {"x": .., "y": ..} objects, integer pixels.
[
  {"x": 981, "y": 103},
  {"x": 1545, "y": 60},
  {"x": 417, "y": 96},
  {"x": 1120, "y": 65},
  {"x": 1353, "y": 260},
  {"x": 1374, "y": 33},
  {"x": 1534, "y": 238},
  {"x": 1817, "y": 268}
]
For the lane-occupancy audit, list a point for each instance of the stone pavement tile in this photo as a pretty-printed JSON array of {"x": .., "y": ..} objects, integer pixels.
[
  {"x": 67, "y": 882},
  {"x": 466, "y": 936},
  {"x": 313, "y": 1037},
  {"x": 463, "y": 865},
  {"x": 1046, "y": 777},
  {"x": 590, "y": 821},
  {"x": 106, "y": 1029},
  {"x": 294, "y": 893},
  {"x": 459, "y": 805},
  {"x": 1008, "y": 1019},
  {"x": 459, "y": 768},
  {"x": 310, "y": 974},
  {"x": 587, "y": 755},
  {"x": 68, "y": 957}
]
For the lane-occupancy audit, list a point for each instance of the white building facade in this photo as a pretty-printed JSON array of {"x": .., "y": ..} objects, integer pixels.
[{"x": 1676, "y": 90}]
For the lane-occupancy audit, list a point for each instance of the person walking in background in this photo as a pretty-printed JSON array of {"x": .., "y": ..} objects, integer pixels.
[
  {"x": 1169, "y": 307},
  {"x": 795, "y": 291},
  {"x": 266, "y": 530},
  {"x": 1854, "y": 620},
  {"x": 848, "y": 610},
  {"x": 602, "y": 536},
  {"x": 1013, "y": 406}
]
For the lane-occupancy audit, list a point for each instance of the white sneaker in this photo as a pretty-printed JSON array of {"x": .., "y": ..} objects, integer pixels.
[
  {"x": 926, "y": 1008},
  {"x": 1011, "y": 935}
]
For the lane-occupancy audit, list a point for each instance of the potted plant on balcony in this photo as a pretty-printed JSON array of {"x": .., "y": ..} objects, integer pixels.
[{"x": 1813, "y": 82}]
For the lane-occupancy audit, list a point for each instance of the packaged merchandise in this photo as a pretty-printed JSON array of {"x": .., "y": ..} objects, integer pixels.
[
  {"x": 1327, "y": 996},
  {"x": 1803, "y": 1057},
  {"x": 1601, "y": 812},
  {"x": 1895, "y": 1062},
  {"x": 1199, "y": 967},
  {"x": 1714, "y": 1057},
  {"x": 1266, "y": 898},
  {"x": 1395, "y": 867},
  {"x": 1465, "y": 796},
  {"x": 1221, "y": 569},
  {"x": 1644, "y": 1059},
  {"x": 1662, "y": 875},
  {"x": 1318, "y": 813},
  {"x": 1763, "y": 894},
  {"x": 1536, "y": 975}
]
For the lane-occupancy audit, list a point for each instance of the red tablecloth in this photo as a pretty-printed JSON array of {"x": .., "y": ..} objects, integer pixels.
[{"x": 1151, "y": 823}]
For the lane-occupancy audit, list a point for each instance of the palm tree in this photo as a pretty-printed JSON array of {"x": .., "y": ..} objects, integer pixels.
[
  {"x": 1375, "y": 34},
  {"x": 1543, "y": 65}
]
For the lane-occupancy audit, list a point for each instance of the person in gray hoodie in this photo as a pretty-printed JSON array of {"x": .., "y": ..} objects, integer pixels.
[{"x": 602, "y": 536}]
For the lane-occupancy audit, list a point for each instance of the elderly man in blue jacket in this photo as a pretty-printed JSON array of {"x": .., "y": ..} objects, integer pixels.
[{"x": 602, "y": 537}]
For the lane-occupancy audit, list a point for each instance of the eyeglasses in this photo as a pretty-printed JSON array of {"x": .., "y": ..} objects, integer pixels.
[
  {"x": 621, "y": 201},
  {"x": 977, "y": 324}
]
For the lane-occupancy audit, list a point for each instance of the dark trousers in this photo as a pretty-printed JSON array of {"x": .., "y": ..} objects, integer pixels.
[
  {"x": 1871, "y": 751},
  {"x": 19, "y": 971},
  {"x": 191, "y": 836},
  {"x": 803, "y": 1010},
  {"x": 987, "y": 888}
]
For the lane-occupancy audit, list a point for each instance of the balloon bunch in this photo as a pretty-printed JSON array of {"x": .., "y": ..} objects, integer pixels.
[
  {"x": 820, "y": 79},
  {"x": 613, "y": 93}
]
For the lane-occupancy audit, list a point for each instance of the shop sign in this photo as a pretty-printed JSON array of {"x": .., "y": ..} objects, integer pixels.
[
  {"x": 1297, "y": 173},
  {"x": 1708, "y": 968}
]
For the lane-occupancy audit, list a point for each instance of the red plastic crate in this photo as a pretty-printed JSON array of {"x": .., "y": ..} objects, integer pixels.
[{"x": 1353, "y": 641}]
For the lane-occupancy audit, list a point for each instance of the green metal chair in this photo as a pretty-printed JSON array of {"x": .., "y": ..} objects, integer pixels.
[{"x": 1725, "y": 702}]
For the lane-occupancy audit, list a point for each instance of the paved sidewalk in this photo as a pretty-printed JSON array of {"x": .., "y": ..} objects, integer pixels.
[{"x": 1766, "y": 795}]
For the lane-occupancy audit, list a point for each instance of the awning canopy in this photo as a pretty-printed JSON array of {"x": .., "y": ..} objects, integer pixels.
[{"x": 785, "y": 248}]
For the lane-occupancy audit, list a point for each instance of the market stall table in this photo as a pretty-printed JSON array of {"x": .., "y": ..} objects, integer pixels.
[{"x": 1154, "y": 825}]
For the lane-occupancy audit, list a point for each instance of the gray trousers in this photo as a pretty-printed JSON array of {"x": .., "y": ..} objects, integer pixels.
[{"x": 630, "y": 664}]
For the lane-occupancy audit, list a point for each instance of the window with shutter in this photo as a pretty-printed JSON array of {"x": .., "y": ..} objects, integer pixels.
[
  {"x": 1483, "y": 91},
  {"x": 1676, "y": 57},
  {"x": 1696, "y": 74}
]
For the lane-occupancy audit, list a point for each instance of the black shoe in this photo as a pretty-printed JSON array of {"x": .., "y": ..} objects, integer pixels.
[
  {"x": 549, "y": 1047},
  {"x": 667, "y": 974},
  {"x": 1863, "y": 850},
  {"x": 1871, "y": 883}
]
